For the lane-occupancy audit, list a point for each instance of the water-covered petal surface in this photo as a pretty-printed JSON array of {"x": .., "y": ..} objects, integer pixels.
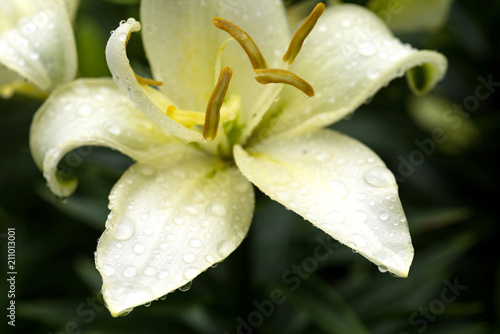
[
  {"x": 36, "y": 41},
  {"x": 339, "y": 185},
  {"x": 347, "y": 58},
  {"x": 171, "y": 219},
  {"x": 151, "y": 102},
  {"x": 88, "y": 112}
]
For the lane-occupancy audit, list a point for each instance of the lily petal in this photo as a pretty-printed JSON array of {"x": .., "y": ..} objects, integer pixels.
[
  {"x": 182, "y": 44},
  {"x": 347, "y": 58},
  {"x": 339, "y": 185},
  {"x": 412, "y": 16},
  {"x": 143, "y": 96},
  {"x": 171, "y": 219},
  {"x": 36, "y": 42},
  {"x": 88, "y": 112}
]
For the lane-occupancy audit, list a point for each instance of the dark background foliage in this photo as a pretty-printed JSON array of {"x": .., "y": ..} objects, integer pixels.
[{"x": 450, "y": 199}]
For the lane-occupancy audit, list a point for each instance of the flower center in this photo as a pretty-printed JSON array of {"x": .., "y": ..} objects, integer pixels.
[{"x": 218, "y": 110}]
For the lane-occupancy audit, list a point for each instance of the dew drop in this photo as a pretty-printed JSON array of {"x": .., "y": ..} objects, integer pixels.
[
  {"x": 146, "y": 170},
  {"x": 139, "y": 248},
  {"x": 379, "y": 177},
  {"x": 337, "y": 187},
  {"x": 361, "y": 216},
  {"x": 323, "y": 157},
  {"x": 186, "y": 286},
  {"x": 224, "y": 248},
  {"x": 189, "y": 209},
  {"x": 366, "y": 49},
  {"x": 382, "y": 268},
  {"x": 216, "y": 209},
  {"x": 189, "y": 257},
  {"x": 383, "y": 215},
  {"x": 179, "y": 220},
  {"x": 129, "y": 271},
  {"x": 358, "y": 240},
  {"x": 112, "y": 127},
  {"x": 149, "y": 271},
  {"x": 195, "y": 243},
  {"x": 84, "y": 110},
  {"x": 171, "y": 237},
  {"x": 191, "y": 272},
  {"x": 241, "y": 187},
  {"x": 336, "y": 217},
  {"x": 163, "y": 274},
  {"x": 107, "y": 270},
  {"x": 124, "y": 229}
]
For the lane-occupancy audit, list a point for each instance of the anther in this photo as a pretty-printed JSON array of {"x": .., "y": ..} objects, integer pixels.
[
  {"x": 301, "y": 34},
  {"x": 273, "y": 75},
  {"x": 146, "y": 81},
  {"x": 212, "y": 115},
  {"x": 246, "y": 42}
]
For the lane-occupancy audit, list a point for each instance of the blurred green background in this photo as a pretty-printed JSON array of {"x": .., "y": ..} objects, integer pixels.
[{"x": 451, "y": 202}]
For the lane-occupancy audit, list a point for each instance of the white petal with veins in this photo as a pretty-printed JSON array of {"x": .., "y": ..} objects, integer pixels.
[
  {"x": 88, "y": 112},
  {"x": 347, "y": 58},
  {"x": 339, "y": 185},
  {"x": 171, "y": 219},
  {"x": 36, "y": 41}
]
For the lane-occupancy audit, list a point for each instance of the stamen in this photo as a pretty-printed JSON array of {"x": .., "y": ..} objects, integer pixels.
[
  {"x": 300, "y": 35},
  {"x": 212, "y": 116},
  {"x": 246, "y": 42},
  {"x": 273, "y": 75},
  {"x": 146, "y": 81}
]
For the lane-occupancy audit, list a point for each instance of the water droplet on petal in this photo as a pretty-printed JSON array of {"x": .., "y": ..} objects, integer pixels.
[
  {"x": 361, "y": 216},
  {"x": 336, "y": 217},
  {"x": 149, "y": 271},
  {"x": 382, "y": 268},
  {"x": 383, "y": 215},
  {"x": 366, "y": 49},
  {"x": 189, "y": 257},
  {"x": 323, "y": 157},
  {"x": 139, "y": 248},
  {"x": 146, "y": 170},
  {"x": 225, "y": 248},
  {"x": 216, "y": 209},
  {"x": 358, "y": 240},
  {"x": 379, "y": 177},
  {"x": 191, "y": 272},
  {"x": 186, "y": 286},
  {"x": 195, "y": 243},
  {"x": 129, "y": 271},
  {"x": 163, "y": 274},
  {"x": 124, "y": 229},
  {"x": 338, "y": 187},
  {"x": 107, "y": 270}
]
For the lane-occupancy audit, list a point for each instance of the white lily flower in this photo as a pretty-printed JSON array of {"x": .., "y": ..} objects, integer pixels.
[
  {"x": 37, "y": 45},
  {"x": 183, "y": 207}
]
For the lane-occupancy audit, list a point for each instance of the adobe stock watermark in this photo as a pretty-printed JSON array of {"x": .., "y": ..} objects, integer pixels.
[
  {"x": 86, "y": 311},
  {"x": 292, "y": 278},
  {"x": 455, "y": 115},
  {"x": 420, "y": 319}
]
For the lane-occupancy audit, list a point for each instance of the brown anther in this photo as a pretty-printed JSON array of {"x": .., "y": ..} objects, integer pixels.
[
  {"x": 274, "y": 75},
  {"x": 246, "y": 42},
  {"x": 301, "y": 34}
]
